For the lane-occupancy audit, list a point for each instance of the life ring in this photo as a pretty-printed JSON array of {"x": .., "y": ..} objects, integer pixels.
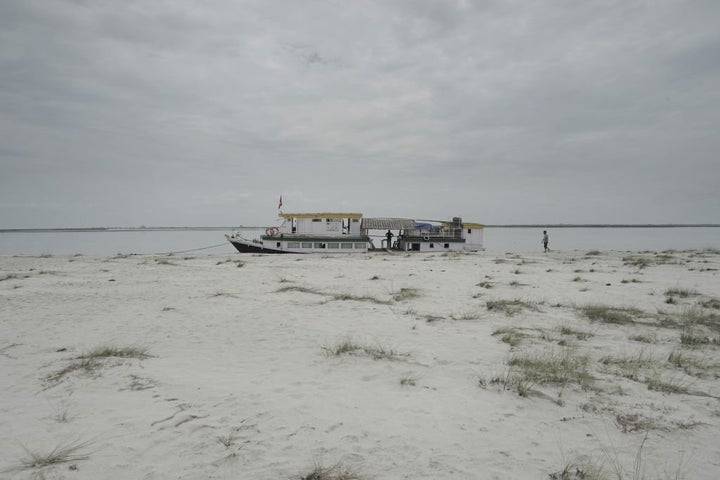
[
  {"x": 272, "y": 231},
  {"x": 426, "y": 238}
]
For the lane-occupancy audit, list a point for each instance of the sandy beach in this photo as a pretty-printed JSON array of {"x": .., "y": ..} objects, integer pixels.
[{"x": 390, "y": 366}]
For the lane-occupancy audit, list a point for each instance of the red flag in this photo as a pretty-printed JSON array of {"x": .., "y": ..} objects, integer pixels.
[{"x": 280, "y": 204}]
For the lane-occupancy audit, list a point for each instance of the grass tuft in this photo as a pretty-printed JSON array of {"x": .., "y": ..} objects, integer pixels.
[
  {"x": 607, "y": 314},
  {"x": 634, "y": 422},
  {"x": 84, "y": 366},
  {"x": 119, "y": 352},
  {"x": 359, "y": 298},
  {"x": 64, "y": 453},
  {"x": 680, "y": 292},
  {"x": 164, "y": 261},
  {"x": 689, "y": 364},
  {"x": 697, "y": 316},
  {"x": 406, "y": 294},
  {"x": 579, "y": 334},
  {"x": 510, "y": 307},
  {"x": 297, "y": 288},
  {"x": 335, "y": 472},
  {"x": 690, "y": 338},
  {"x": 92, "y": 361},
  {"x": 510, "y": 336},
  {"x": 629, "y": 366},
  {"x": 659, "y": 384},
  {"x": 637, "y": 261},
  {"x": 376, "y": 352},
  {"x": 644, "y": 338},
  {"x": 712, "y": 303},
  {"x": 557, "y": 368}
]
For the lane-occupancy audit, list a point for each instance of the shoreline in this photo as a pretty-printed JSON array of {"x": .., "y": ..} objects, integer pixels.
[{"x": 211, "y": 228}]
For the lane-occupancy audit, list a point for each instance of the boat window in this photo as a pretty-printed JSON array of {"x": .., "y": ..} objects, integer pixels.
[
  {"x": 307, "y": 245},
  {"x": 317, "y": 219},
  {"x": 293, "y": 245},
  {"x": 277, "y": 244},
  {"x": 319, "y": 245},
  {"x": 346, "y": 245},
  {"x": 469, "y": 230},
  {"x": 447, "y": 245},
  {"x": 333, "y": 245},
  {"x": 355, "y": 220},
  {"x": 360, "y": 245},
  {"x": 432, "y": 245}
]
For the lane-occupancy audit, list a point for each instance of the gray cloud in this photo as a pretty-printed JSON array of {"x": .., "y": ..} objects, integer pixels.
[{"x": 501, "y": 111}]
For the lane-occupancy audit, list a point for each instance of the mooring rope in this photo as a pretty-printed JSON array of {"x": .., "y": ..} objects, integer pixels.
[{"x": 193, "y": 249}]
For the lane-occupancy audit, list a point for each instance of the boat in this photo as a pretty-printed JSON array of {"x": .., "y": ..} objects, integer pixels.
[{"x": 343, "y": 233}]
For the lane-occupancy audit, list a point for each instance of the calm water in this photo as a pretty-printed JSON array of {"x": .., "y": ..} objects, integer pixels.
[
  {"x": 497, "y": 239},
  {"x": 603, "y": 239}
]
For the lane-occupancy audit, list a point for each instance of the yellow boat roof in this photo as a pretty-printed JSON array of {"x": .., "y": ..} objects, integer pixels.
[{"x": 321, "y": 215}]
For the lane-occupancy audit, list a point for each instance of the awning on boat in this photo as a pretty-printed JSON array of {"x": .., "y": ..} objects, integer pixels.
[
  {"x": 422, "y": 226},
  {"x": 383, "y": 223}
]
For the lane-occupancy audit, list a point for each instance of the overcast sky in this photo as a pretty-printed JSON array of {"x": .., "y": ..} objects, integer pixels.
[{"x": 179, "y": 112}]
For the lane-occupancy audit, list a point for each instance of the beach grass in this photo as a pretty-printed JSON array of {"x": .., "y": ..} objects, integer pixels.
[
  {"x": 691, "y": 338},
  {"x": 511, "y": 336},
  {"x": 649, "y": 337},
  {"x": 345, "y": 297},
  {"x": 227, "y": 440},
  {"x": 92, "y": 360},
  {"x": 82, "y": 366},
  {"x": 610, "y": 314},
  {"x": 63, "y": 453},
  {"x": 406, "y": 293},
  {"x": 689, "y": 364},
  {"x": 108, "y": 351},
  {"x": 298, "y": 288},
  {"x": 658, "y": 383},
  {"x": 510, "y": 307},
  {"x": 349, "y": 346},
  {"x": 629, "y": 366},
  {"x": 579, "y": 334},
  {"x": 712, "y": 303},
  {"x": 680, "y": 292},
  {"x": 164, "y": 261},
  {"x": 698, "y": 316},
  {"x": 580, "y": 470},
  {"x": 334, "y": 472},
  {"x": 560, "y": 367}
]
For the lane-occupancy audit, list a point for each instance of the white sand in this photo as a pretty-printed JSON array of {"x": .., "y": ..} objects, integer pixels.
[{"x": 234, "y": 359}]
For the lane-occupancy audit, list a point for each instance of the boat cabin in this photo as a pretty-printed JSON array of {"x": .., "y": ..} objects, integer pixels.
[{"x": 322, "y": 224}]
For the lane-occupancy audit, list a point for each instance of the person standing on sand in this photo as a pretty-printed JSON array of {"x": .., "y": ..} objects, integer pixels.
[{"x": 545, "y": 241}]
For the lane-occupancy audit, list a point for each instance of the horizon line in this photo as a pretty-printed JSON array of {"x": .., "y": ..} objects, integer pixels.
[{"x": 210, "y": 228}]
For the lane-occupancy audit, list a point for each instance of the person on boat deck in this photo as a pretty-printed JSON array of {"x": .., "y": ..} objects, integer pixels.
[{"x": 389, "y": 236}]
